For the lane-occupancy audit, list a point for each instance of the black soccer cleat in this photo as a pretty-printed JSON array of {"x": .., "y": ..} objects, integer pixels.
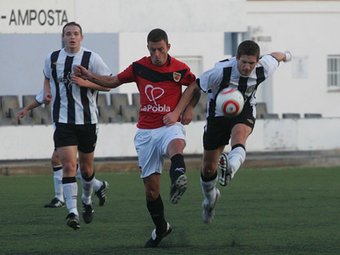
[
  {"x": 178, "y": 188},
  {"x": 72, "y": 220},
  {"x": 101, "y": 193},
  {"x": 55, "y": 203},
  {"x": 88, "y": 212},
  {"x": 155, "y": 239},
  {"x": 224, "y": 169}
]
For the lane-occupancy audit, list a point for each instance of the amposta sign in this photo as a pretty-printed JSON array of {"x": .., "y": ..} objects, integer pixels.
[
  {"x": 35, "y": 16},
  {"x": 42, "y": 17}
]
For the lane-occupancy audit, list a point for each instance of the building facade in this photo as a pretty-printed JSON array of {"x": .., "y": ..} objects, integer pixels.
[{"x": 200, "y": 33}]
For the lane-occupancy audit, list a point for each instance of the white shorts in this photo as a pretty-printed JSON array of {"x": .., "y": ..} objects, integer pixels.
[{"x": 152, "y": 144}]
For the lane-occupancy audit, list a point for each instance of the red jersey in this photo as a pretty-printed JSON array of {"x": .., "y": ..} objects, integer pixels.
[{"x": 160, "y": 88}]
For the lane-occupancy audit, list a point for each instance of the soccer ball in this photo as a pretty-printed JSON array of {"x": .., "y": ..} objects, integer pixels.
[{"x": 230, "y": 102}]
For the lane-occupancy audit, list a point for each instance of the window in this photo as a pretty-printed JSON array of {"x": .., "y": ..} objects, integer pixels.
[
  {"x": 333, "y": 72},
  {"x": 194, "y": 62},
  {"x": 232, "y": 40}
]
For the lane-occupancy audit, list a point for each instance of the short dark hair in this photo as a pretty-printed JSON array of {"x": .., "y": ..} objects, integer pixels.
[
  {"x": 157, "y": 35},
  {"x": 249, "y": 48},
  {"x": 72, "y": 23}
]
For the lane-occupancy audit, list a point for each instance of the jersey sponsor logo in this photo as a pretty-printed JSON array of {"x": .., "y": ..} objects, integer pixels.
[
  {"x": 153, "y": 94},
  {"x": 177, "y": 76},
  {"x": 155, "y": 108},
  {"x": 67, "y": 81}
]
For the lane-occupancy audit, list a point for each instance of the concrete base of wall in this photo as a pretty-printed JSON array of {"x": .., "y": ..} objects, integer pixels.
[{"x": 327, "y": 158}]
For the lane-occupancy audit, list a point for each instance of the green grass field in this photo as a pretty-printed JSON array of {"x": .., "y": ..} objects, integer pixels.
[{"x": 263, "y": 211}]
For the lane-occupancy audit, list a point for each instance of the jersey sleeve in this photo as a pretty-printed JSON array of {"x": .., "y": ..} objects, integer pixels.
[
  {"x": 188, "y": 78},
  {"x": 270, "y": 64},
  {"x": 210, "y": 79},
  {"x": 40, "y": 97},
  {"x": 98, "y": 66},
  {"x": 47, "y": 67},
  {"x": 127, "y": 75}
]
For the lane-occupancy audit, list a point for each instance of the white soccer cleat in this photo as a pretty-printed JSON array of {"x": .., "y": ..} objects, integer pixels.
[{"x": 208, "y": 212}]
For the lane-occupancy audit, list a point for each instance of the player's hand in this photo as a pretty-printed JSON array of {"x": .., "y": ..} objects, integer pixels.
[
  {"x": 170, "y": 118},
  {"x": 78, "y": 80},
  {"x": 47, "y": 98},
  {"x": 22, "y": 113},
  {"x": 82, "y": 72},
  {"x": 288, "y": 56}
]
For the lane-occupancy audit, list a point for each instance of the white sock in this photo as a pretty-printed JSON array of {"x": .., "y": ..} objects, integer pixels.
[
  {"x": 57, "y": 180},
  {"x": 71, "y": 194},
  {"x": 208, "y": 189},
  {"x": 96, "y": 184},
  {"x": 236, "y": 157},
  {"x": 86, "y": 197}
]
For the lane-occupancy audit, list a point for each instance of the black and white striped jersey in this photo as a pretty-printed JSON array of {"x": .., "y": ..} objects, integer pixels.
[
  {"x": 226, "y": 74},
  {"x": 70, "y": 103}
]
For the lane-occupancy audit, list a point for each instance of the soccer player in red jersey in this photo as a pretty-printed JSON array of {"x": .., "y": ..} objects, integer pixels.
[{"x": 163, "y": 111}]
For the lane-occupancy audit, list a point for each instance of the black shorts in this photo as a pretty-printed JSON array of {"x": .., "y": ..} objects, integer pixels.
[
  {"x": 218, "y": 129},
  {"x": 84, "y": 136}
]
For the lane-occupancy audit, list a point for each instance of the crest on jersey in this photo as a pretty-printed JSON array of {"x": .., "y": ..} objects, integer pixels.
[{"x": 177, "y": 76}]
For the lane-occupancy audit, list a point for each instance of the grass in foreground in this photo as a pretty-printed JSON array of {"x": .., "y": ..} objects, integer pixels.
[{"x": 263, "y": 211}]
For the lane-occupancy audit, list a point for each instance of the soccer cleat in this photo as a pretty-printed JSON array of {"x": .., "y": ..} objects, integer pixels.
[
  {"x": 72, "y": 220},
  {"x": 88, "y": 213},
  {"x": 178, "y": 188},
  {"x": 225, "y": 171},
  {"x": 157, "y": 238},
  {"x": 101, "y": 193},
  {"x": 55, "y": 203},
  {"x": 209, "y": 208}
]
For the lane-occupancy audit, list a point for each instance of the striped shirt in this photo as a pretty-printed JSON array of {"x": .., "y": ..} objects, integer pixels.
[
  {"x": 226, "y": 74},
  {"x": 70, "y": 103}
]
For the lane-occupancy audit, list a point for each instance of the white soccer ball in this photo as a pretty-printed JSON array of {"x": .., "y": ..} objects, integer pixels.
[{"x": 230, "y": 102}]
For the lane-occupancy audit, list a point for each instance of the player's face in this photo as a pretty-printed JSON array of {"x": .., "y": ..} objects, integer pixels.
[
  {"x": 158, "y": 52},
  {"x": 72, "y": 38},
  {"x": 246, "y": 64}
]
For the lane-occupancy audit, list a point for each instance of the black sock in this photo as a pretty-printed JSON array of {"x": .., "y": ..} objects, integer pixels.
[
  {"x": 57, "y": 168},
  {"x": 156, "y": 210},
  {"x": 89, "y": 178},
  {"x": 68, "y": 180},
  {"x": 209, "y": 178},
  {"x": 177, "y": 167}
]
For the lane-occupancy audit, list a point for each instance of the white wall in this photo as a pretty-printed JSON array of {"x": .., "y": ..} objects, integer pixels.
[
  {"x": 195, "y": 27},
  {"x": 116, "y": 140},
  {"x": 182, "y": 44},
  {"x": 308, "y": 30},
  {"x": 171, "y": 15}
]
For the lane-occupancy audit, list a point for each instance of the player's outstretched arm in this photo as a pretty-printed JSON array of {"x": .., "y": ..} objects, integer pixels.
[
  {"x": 188, "y": 112},
  {"x": 23, "y": 112},
  {"x": 186, "y": 99},
  {"x": 102, "y": 80},
  {"x": 282, "y": 56},
  {"x": 87, "y": 84}
]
